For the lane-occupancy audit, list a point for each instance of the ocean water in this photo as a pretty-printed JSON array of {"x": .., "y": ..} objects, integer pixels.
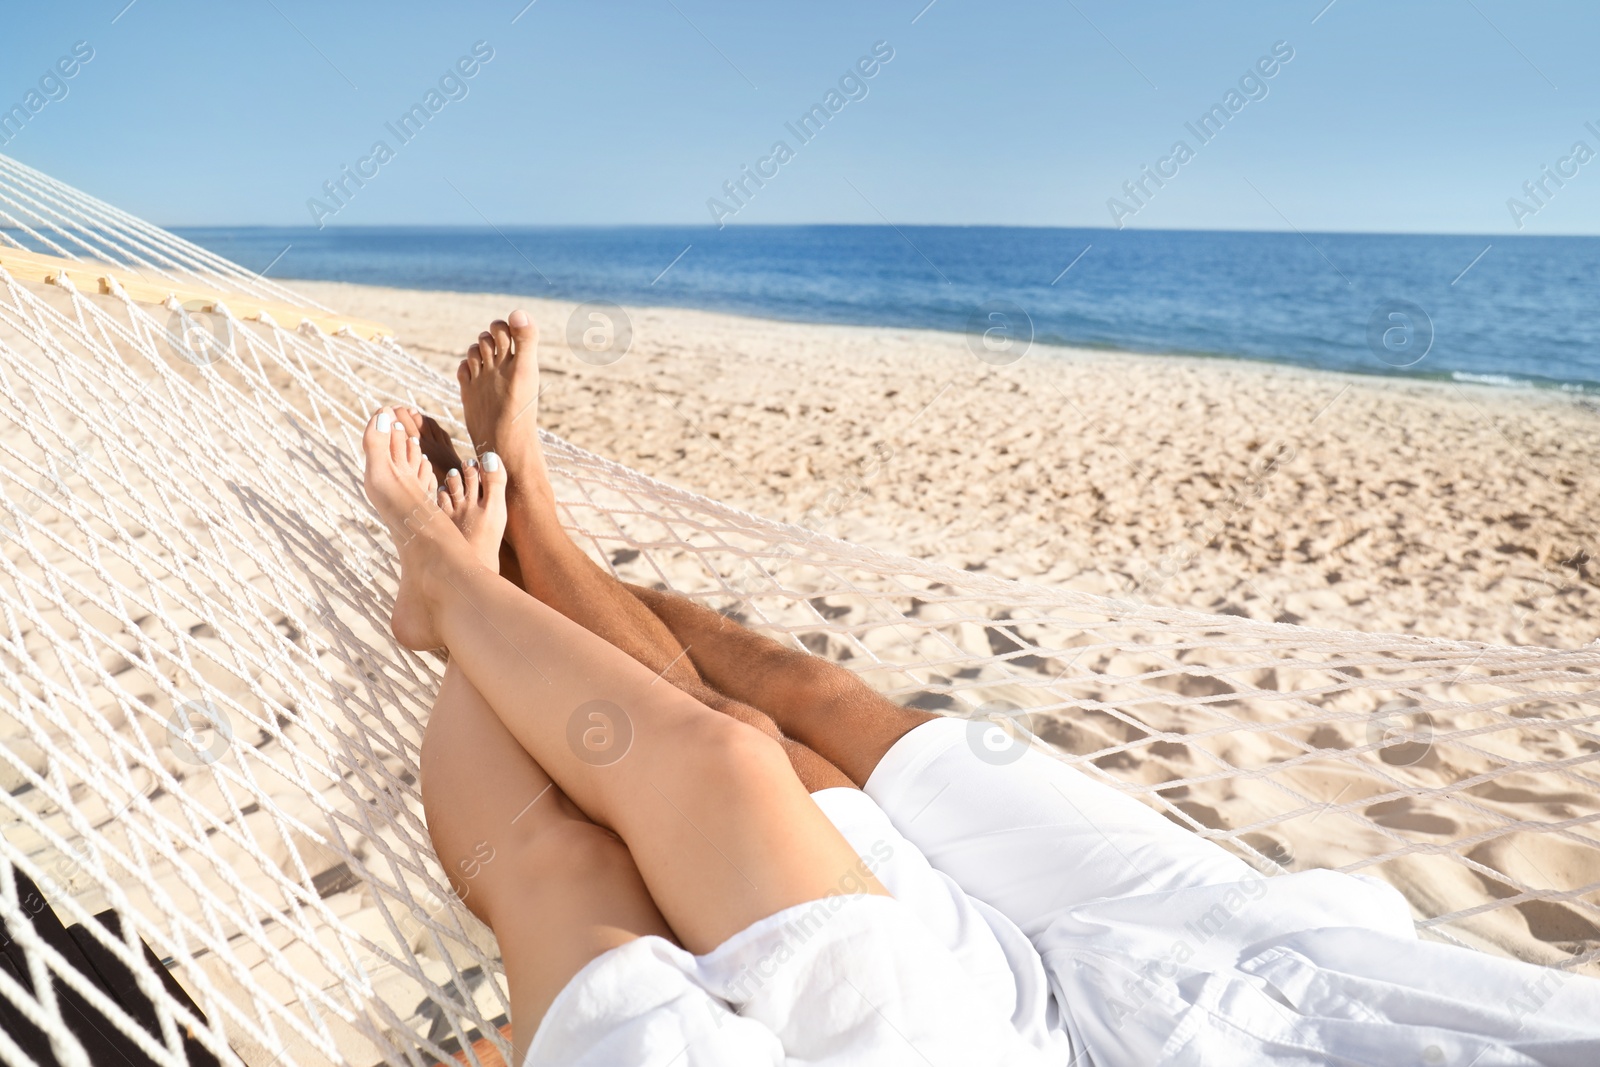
[{"x": 1500, "y": 310}]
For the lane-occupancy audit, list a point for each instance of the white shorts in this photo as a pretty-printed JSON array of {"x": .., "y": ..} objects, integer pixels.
[
  {"x": 1160, "y": 947},
  {"x": 1042, "y": 917},
  {"x": 930, "y": 977},
  {"x": 847, "y": 980}
]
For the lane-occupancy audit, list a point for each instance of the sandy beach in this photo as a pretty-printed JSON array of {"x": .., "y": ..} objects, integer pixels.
[{"x": 1333, "y": 500}]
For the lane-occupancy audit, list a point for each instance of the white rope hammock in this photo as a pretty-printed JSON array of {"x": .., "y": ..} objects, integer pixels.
[{"x": 206, "y": 727}]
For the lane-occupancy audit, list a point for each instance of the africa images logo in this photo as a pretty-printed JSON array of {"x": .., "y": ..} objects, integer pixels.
[
  {"x": 852, "y": 86},
  {"x": 451, "y": 86},
  {"x": 1252, "y": 86},
  {"x": 52, "y": 86}
]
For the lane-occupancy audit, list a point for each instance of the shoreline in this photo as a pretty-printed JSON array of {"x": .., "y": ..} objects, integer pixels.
[
  {"x": 1562, "y": 386},
  {"x": 1491, "y": 381},
  {"x": 1490, "y": 385},
  {"x": 1238, "y": 294},
  {"x": 1238, "y": 486}
]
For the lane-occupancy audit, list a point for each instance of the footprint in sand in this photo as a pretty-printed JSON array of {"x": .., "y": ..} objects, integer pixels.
[{"x": 1403, "y": 814}]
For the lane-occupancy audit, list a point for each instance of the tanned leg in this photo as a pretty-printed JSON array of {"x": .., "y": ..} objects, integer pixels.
[
  {"x": 804, "y": 701},
  {"x": 720, "y": 828},
  {"x": 819, "y": 704},
  {"x": 499, "y": 392}
]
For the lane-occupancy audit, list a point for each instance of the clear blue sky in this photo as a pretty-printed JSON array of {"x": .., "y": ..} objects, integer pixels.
[{"x": 1392, "y": 116}]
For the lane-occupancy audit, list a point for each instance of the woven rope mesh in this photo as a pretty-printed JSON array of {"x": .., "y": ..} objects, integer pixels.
[{"x": 207, "y": 727}]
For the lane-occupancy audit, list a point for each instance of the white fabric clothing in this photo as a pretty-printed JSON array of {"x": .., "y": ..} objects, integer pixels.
[
  {"x": 1161, "y": 948},
  {"x": 1003, "y": 965},
  {"x": 642, "y": 1003},
  {"x": 1042, "y": 917},
  {"x": 845, "y": 981}
]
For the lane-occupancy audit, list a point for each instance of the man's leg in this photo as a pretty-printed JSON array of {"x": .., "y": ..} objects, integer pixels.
[
  {"x": 820, "y": 704},
  {"x": 1019, "y": 830},
  {"x": 499, "y": 390},
  {"x": 817, "y": 704}
]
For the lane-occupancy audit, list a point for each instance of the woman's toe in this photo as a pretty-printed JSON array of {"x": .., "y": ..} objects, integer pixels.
[
  {"x": 494, "y": 476},
  {"x": 397, "y": 441},
  {"x": 376, "y": 435}
]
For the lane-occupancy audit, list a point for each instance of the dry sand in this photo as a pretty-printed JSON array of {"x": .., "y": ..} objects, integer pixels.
[{"x": 1334, "y": 500}]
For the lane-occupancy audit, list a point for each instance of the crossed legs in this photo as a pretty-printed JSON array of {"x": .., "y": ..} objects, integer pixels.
[
  {"x": 720, "y": 829},
  {"x": 826, "y": 718},
  {"x": 557, "y": 888},
  {"x": 708, "y": 806},
  {"x": 499, "y": 391}
]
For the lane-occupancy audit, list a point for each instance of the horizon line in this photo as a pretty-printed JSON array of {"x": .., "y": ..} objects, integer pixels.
[{"x": 702, "y": 227}]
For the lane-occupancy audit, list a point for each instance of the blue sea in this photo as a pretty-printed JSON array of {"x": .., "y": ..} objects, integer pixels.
[{"x": 1499, "y": 310}]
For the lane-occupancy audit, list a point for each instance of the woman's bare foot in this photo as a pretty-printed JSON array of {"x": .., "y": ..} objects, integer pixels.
[
  {"x": 441, "y": 452},
  {"x": 500, "y": 396},
  {"x": 400, "y": 484},
  {"x": 474, "y": 498}
]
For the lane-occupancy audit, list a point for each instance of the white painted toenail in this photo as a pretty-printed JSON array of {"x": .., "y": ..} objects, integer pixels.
[
  {"x": 385, "y": 420},
  {"x": 453, "y": 473},
  {"x": 472, "y": 462},
  {"x": 491, "y": 462},
  {"x": 416, "y": 440}
]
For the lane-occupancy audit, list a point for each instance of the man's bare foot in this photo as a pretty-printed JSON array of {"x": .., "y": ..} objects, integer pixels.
[
  {"x": 500, "y": 396},
  {"x": 436, "y": 443},
  {"x": 401, "y": 486},
  {"x": 474, "y": 498}
]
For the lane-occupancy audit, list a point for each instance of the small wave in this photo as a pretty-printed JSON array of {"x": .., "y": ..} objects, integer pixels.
[
  {"x": 1506, "y": 380},
  {"x": 1486, "y": 379}
]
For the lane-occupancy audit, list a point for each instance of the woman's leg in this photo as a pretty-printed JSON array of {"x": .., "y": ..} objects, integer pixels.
[
  {"x": 556, "y": 889},
  {"x": 719, "y": 826}
]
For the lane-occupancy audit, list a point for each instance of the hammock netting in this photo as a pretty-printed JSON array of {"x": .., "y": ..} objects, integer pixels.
[{"x": 207, "y": 731}]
